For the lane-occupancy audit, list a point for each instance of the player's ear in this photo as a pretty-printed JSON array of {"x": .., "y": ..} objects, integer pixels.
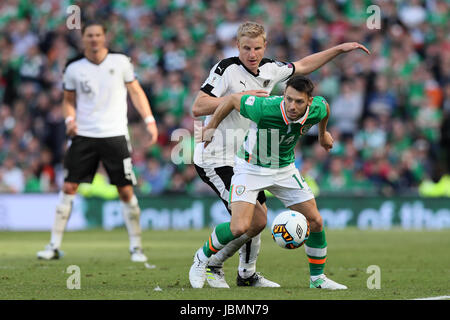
[{"x": 310, "y": 100}]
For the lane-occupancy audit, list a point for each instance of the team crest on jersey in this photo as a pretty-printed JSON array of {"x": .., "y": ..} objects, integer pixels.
[
  {"x": 111, "y": 71},
  {"x": 250, "y": 101},
  {"x": 266, "y": 83},
  {"x": 305, "y": 129},
  {"x": 240, "y": 190}
]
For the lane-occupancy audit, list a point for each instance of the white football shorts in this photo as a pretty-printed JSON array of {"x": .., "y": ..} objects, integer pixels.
[{"x": 287, "y": 184}]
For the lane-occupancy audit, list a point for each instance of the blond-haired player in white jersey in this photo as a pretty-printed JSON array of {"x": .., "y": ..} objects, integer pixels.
[
  {"x": 96, "y": 84},
  {"x": 249, "y": 73}
]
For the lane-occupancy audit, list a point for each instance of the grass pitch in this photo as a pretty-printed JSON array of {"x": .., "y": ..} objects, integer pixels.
[{"x": 413, "y": 264}]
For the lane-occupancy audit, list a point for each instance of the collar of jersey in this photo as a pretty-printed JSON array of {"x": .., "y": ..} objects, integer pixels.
[
  {"x": 97, "y": 64},
  {"x": 248, "y": 70},
  {"x": 287, "y": 120}
]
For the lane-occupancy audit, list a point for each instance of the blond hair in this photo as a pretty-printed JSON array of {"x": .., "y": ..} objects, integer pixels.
[{"x": 251, "y": 29}]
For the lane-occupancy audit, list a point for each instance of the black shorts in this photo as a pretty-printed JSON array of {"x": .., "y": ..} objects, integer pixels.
[
  {"x": 83, "y": 157},
  {"x": 219, "y": 179}
]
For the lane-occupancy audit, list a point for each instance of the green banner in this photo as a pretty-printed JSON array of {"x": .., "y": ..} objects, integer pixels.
[{"x": 183, "y": 212}]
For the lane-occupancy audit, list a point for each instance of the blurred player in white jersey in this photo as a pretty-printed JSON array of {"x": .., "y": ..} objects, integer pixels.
[
  {"x": 96, "y": 84},
  {"x": 249, "y": 73}
]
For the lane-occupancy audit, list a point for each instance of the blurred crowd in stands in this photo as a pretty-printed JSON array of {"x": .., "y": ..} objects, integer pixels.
[{"x": 390, "y": 110}]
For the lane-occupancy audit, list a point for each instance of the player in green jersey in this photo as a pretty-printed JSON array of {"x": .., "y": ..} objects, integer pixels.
[{"x": 266, "y": 162}]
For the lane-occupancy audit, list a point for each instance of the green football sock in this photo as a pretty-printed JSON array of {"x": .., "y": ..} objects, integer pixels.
[
  {"x": 316, "y": 250},
  {"x": 220, "y": 236}
]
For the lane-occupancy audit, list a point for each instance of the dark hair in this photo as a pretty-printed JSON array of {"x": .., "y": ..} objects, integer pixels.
[
  {"x": 93, "y": 23},
  {"x": 301, "y": 84}
]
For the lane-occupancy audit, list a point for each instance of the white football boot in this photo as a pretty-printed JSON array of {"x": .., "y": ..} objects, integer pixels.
[
  {"x": 216, "y": 277},
  {"x": 322, "y": 282},
  {"x": 256, "y": 280},
  {"x": 137, "y": 255},
  {"x": 197, "y": 273},
  {"x": 50, "y": 253}
]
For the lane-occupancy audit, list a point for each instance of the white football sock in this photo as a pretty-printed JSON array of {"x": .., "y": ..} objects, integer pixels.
[
  {"x": 131, "y": 214},
  {"x": 62, "y": 215},
  {"x": 248, "y": 255},
  {"x": 228, "y": 251},
  {"x": 201, "y": 255}
]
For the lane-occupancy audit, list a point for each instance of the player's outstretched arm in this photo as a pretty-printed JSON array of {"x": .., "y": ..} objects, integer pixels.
[
  {"x": 69, "y": 112},
  {"x": 142, "y": 105},
  {"x": 315, "y": 61}
]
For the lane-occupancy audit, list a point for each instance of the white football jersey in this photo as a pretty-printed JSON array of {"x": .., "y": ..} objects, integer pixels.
[
  {"x": 101, "y": 94},
  {"x": 227, "y": 77}
]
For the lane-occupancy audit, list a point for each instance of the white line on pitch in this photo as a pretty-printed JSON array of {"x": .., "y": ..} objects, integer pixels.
[{"x": 434, "y": 298}]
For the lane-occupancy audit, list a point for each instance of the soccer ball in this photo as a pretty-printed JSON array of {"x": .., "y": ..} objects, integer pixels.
[{"x": 290, "y": 229}]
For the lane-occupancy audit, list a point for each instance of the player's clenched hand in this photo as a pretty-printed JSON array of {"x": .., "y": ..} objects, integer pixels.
[
  {"x": 207, "y": 135},
  {"x": 258, "y": 93},
  {"x": 326, "y": 141},
  {"x": 152, "y": 129},
  {"x": 71, "y": 128},
  {"x": 350, "y": 46}
]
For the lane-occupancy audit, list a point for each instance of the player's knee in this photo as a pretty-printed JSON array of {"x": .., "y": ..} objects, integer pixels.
[
  {"x": 70, "y": 188},
  {"x": 124, "y": 197},
  {"x": 126, "y": 193},
  {"x": 239, "y": 229},
  {"x": 316, "y": 223}
]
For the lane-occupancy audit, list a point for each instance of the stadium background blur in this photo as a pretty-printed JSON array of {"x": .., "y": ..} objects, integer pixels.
[{"x": 390, "y": 110}]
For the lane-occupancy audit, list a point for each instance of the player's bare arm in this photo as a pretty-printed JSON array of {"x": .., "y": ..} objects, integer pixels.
[
  {"x": 142, "y": 105},
  {"x": 69, "y": 112},
  {"x": 315, "y": 61},
  {"x": 231, "y": 102},
  {"x": 325, "y": 138},
  {"x": 205, "y": 104}
]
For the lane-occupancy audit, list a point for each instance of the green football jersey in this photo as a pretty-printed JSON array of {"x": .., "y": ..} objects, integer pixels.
[{"x": 272, "y": 137}]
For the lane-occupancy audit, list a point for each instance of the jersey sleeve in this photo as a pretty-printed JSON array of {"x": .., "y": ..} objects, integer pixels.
[
  {"x": 282, "y": 71},
  {"x": 252, "y": 107},
  {"x": 128, "y": 72},
  {"x": 216, "y": 84},
  {"x": 69, "y": 83},
  {"x": 320, "y": 108}
]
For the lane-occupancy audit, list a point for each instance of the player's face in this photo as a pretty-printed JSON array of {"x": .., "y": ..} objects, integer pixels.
[
  {"x": 251, "y": 51},
  {"x": 296, "y": 103},
  {"x": 94, "y": 38}
]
